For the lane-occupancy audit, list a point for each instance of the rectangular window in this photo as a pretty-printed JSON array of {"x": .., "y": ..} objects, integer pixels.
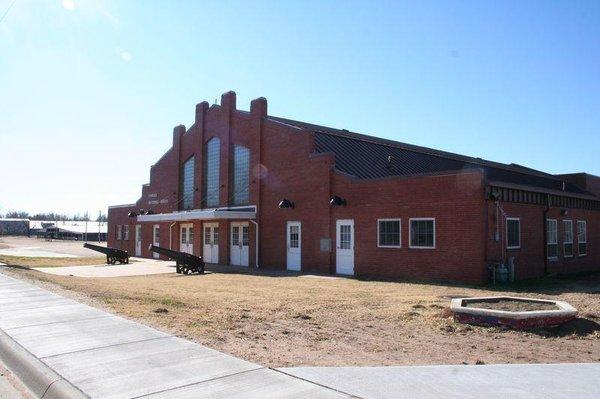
[
  {"x": 513, "y": 233},
  {"x": 567, "y": 238},
  {"x": 126, "y": 233},
  {"x": 216, "y": 236},
  {"x": 241, "y": 175},
  {"x": 388, "y": 233},
  {"x": 119, "y": 232},
  {"x": 552, "y": 238},
  {"x": 422, "y": 233},
  {"x": 294, "y": 236},
  {"x": 345, "y": 236},
  {"x": 211, "y": 172},
  {"x": 581, "y": 237},
  {"x": 245, "y": 231},
  {"x": 187, "y": 184},
  {"x": 207, "y": 235}
]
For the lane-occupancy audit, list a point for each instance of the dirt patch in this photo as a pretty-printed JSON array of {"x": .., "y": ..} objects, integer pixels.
[
  {"x": 293, "y": 321},
  {"x": 25, "y": 261},
  {"x": 510, "y": 305}
]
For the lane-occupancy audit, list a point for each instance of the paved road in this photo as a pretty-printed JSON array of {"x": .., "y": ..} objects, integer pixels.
[
  {"x": 35, "y": 247},
  {"x": 106, "y": 356},
  {"x": 515, "y": 381},
  {"x": 10, "y": 386}
]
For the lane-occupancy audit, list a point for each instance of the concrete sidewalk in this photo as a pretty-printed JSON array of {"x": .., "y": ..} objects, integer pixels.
[
  {"x": 58, "y": 341},
  {"x": 498, "y": 381},
  {"x": 138, "y": 267}
]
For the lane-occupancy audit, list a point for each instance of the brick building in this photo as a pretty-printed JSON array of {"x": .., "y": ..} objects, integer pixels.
[{"x": 250, "y": 189}]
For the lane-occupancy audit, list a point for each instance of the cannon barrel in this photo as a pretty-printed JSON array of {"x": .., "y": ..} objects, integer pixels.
[
  {"x": 113, "y": 255},
  {"x": 186, "y": 263},
  {"x": 164, "y": 251}
]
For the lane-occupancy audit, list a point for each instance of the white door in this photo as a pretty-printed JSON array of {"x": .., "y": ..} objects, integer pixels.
[
  {"x": 211, "y": 243},
  {"x": 239, "y": 244},
  {"x": 186, "y": 238},
  {"x": 294, "y": 245},
  {"x": 344, "y": 254},
  {"x": 138, "y": 240},
  {"x": 156, "y": 239}
]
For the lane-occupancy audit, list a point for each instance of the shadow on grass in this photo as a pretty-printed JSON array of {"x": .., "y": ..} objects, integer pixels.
[
  {"x": 580, "y": 327},
  {"x": 584, "y": 283}
]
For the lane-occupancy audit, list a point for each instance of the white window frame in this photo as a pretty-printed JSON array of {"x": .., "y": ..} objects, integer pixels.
[
  {"x": 519, "y": 245},
  {"x": 410, "y": 233},
  {"x": 552, "y": 243},
  {"x": 119, "y": 232},
  {"x": 579, "y": 239},
  {"x": 399, "y": 231},
  {"x": 125, "y": 232},
  {"x": 567, "y": 242}
]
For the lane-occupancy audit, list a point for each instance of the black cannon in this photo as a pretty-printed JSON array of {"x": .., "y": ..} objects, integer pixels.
[
  {"x": 185, "y": 263},
  {"x": 113, "y": 255}
]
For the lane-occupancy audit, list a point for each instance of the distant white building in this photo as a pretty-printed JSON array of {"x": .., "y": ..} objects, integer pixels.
[{"x": 69, "y": 229}]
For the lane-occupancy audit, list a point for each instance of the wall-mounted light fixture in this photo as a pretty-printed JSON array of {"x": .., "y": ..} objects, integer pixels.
[
  {"x": 564, "y": 212},
  {"x": 285, "y": 203},
  {"x": 495, "y": 195},
  {"x": 132, "y": 214},
  {"x": 337, "y": 201}
]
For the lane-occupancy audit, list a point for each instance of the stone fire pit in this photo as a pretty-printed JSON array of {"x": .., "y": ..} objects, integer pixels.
[{"x": 514, "y": 312}]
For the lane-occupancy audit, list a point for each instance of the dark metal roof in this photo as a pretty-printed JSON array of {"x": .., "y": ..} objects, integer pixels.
[{"x": 367, "y": 157}]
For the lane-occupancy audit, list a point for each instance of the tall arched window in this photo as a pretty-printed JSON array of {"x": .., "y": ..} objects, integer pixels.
[
  {"x": 187, "y": 184},
  {"x": 241, "y": 175},
  {"x": 212, "y": 162}
]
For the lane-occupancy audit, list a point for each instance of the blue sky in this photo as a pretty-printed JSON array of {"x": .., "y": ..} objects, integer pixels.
[{"x": 90, "y": 90}]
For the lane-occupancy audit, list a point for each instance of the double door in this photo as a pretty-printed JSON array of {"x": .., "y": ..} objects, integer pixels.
[
  {"x": 210, "y": 251},
  {"x": 186, "y": 238},
  {"x": 239, "y": 244}
]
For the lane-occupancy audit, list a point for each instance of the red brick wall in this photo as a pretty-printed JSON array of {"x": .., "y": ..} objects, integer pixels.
[
  {"x": 290, "y": 172},
  {"x": 283, "y": 165},
  {"x": 454, "y": 200},
  {"x": 530, "y": 256}
]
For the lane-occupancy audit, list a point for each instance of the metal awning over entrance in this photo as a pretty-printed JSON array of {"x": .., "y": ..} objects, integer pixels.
[{"x": 201, "y": 214}]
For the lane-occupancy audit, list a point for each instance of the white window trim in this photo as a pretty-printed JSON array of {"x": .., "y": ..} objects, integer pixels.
[
  {"x": 410, "y": 233},
  {"x": 518, "y": 220},
  {"x": 568, "y": 242},
  {"x": 125, "y": 232},
  {"x": 400, "y": 231},
  {"x": 582, "y": 242},
  {"x": 119, "y": 232},
  {"x": 552, "y": 243}
]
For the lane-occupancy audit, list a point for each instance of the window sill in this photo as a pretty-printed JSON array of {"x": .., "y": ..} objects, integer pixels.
[
  {"x": 389, "y": 246},
  {"x": 513, "y": 248},
  {"x": 412, "y": 247},
  {"x": 581, "y": 256},
  {"x": 553, "y": 259}
]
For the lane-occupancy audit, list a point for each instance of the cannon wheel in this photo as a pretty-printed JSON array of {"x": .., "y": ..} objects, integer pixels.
[{"x": 110, "y": 260}]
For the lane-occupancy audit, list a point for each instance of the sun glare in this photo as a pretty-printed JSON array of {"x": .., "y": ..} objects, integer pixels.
[{"x": 68, "y": 4}]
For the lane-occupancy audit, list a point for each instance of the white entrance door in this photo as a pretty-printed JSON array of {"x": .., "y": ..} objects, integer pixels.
[
  {"x": 239, "y": 244},
  {"x": 156, "y": 239},
  {"x": 211, "y": 243},
  {"x": 294, "y": 245},
  {"x": 138, "y": 240},
  {"x": 344, "y": 254},
  {"x": 186, "y": 238}
]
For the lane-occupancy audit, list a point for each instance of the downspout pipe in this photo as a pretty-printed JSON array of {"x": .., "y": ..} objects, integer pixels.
[
  {"x": 170, "y": 235},
  {"x": 256, "y": 243},
  {"x": 545, "y": 248}
]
